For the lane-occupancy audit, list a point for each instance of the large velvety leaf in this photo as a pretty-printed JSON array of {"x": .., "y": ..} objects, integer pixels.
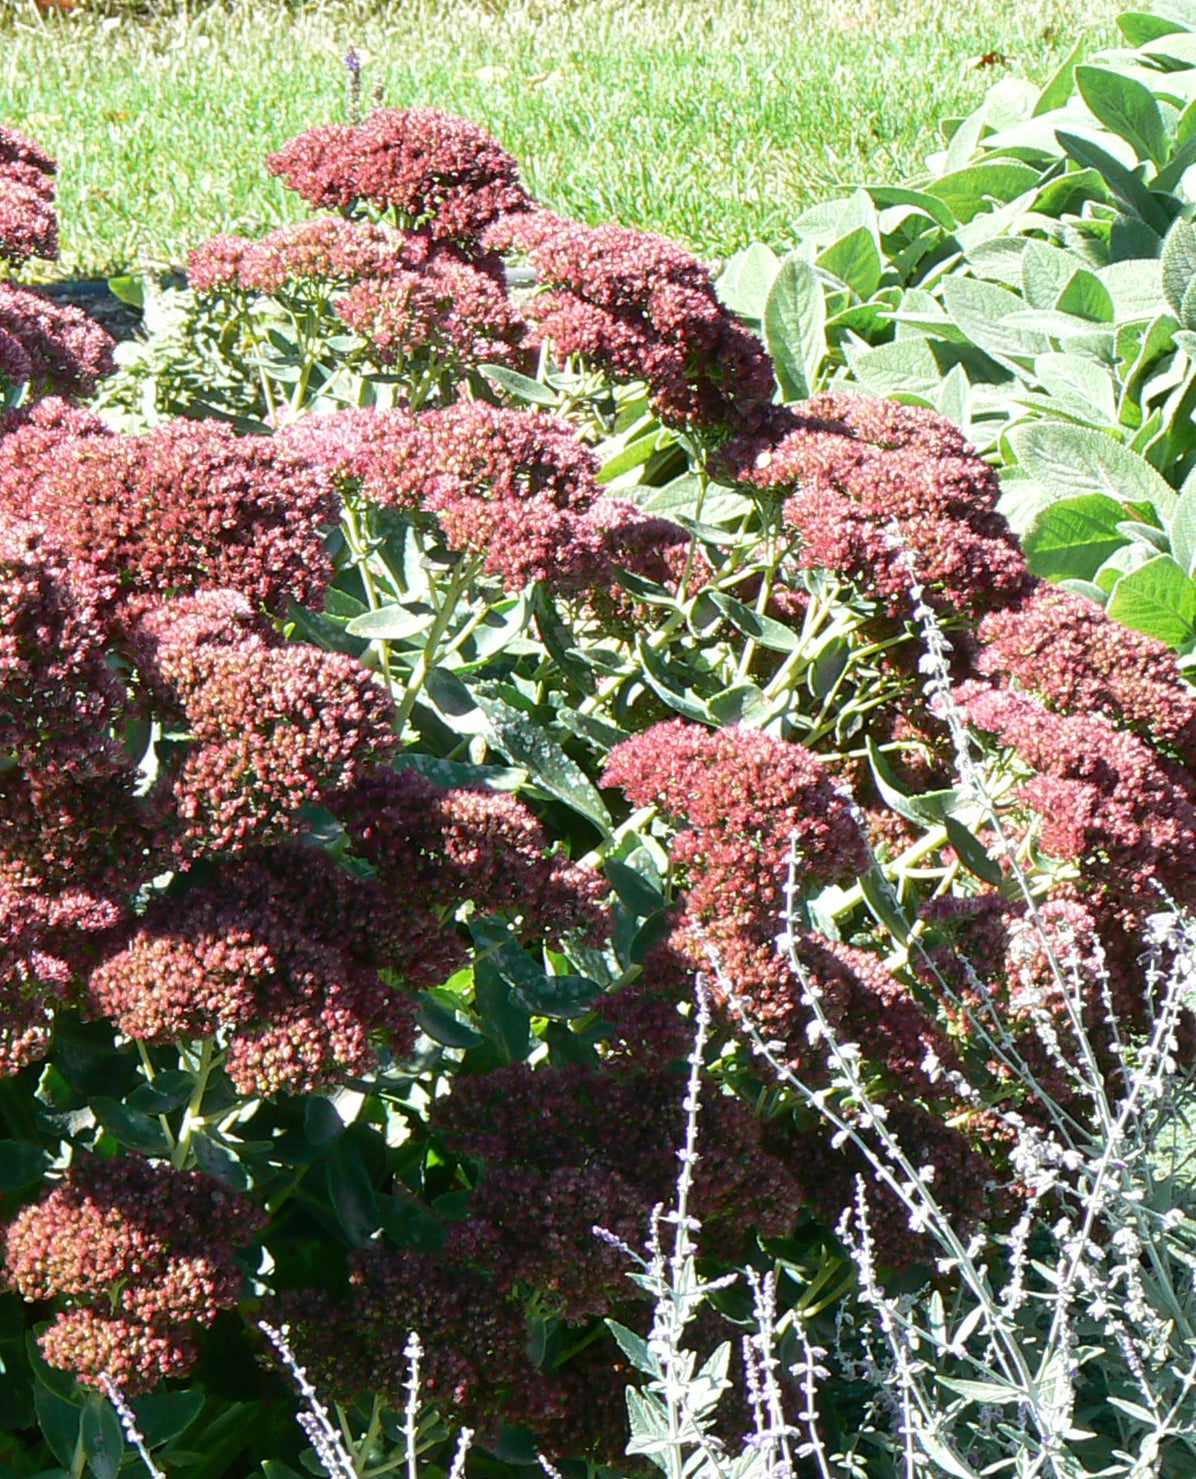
[
  {"x": 983, "y": 311},
  {"x": 1062, "y": 84},
  {"x": 795, "y": 327},
  {"x": 855, "y": 259},
  {"x": 1069, "y": 460},
  {"x": 744, "y": 282},
  {"x": 1127, "y": 107},
  {"x": 1045, "y": 271},
  {"x": 1159, "y": 599},
  {"x": 968, "y": 192},
  {"x": 1182, "y": 528},
  {"x": 1125, "y": 185},
  {"x": 1139, "y": 27},
  {"x": 1179, "y": 266},
  {"x": 1072, "y": 539}
]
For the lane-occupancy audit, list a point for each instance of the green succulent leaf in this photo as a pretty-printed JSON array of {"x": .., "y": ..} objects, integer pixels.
[{"x": 103, "y": 1437}]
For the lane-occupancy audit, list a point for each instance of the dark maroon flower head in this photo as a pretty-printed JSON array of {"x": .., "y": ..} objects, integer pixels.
[
  {"x": 1067, "y": 650},
  {"x": 829, "y": 1176},
  {"x": 23, "y": 159},
  {"x": 439, "y": 847},
  {"x": 598, "y": 1145},
  {"x": 318, "y": 166},
  {"x": 432, "y": 169},
  {"x": 48, "y": 942},
  {"x": 446, "y": 311},
  {"x": 327, "y": 250},
  {"x": 648, "y": 545},
  {"x": 41, "y": 425},
  {"x": 68, "y": 352},
  {"x": 145, "y": 1252},
  {"x": 863, "y": 1001},
  {"x": 480, "y": 1346},
  {"x": 58, "y": 696},
  {"x": 879, "y": 492},
  {"x": 281, "y": 951},
  {"x": 28, "y": 222},
  {"x": 642, "y": 308},
  {"x": 368, "y": 449},
  {"x": 82, "y": 828},
  {"x": 186, "y": 506},
  {"x": 1106, "y": 798},
  {"x": 15, "y": 365}
]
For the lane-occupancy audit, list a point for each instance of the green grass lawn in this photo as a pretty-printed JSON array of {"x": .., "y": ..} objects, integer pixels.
[{"x": 715, "y": 123}]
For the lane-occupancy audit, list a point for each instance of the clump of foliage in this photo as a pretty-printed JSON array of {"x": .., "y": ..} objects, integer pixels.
[
  {"x": 1033, "y": 285},
  {"x": 456, "y": 633}
]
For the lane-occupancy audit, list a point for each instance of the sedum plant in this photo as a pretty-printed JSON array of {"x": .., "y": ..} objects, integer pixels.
[{"x": 416, "y": 675}]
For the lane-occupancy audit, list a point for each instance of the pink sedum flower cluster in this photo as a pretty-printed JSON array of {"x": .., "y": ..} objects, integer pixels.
[
  {"x": 431, "y": 169},
  {"x": 144, "y": 1254},
  {"x": 516, "y": 488},
  {"x": 28, "y": 221},
  {"x": 44, "y": 344},
  {"x": 642, "y": 308},
  {"x": 186, "y": 506},
  {"x": 875, "y": 491},
  {"x": 51, "y": 346}
]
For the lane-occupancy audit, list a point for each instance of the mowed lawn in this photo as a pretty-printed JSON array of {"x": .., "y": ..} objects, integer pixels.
[{"x": 715, "y": 123}]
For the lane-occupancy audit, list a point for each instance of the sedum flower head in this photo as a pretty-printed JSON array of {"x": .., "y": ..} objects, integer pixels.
[
  {"x": 67, "y": 352},
  {"x": 439, "y": 847},
  {"x": 446, "y": 309},
  {"x": 270, "y": 727},
  {"x": 28, "y": 222},
  {"x": 185, "y": 506},
  {"x": 432, "y": 169},
  {"x": 876, "y": 488},
  {"x": 595, "y": 1146},
  {"x": 642, "y": 308},
  {"x": 281, "y": 953},
  {"x": 745, "y": 799},
  {"x": 1106, "y": 798},
  {"x": 144, "y": 1252},
  {"x": 1071, "y": 653},
  {"x": 58, "y": 697},
  {"x": 328, "y": 250},
  {"x": 510, "y": 486}
]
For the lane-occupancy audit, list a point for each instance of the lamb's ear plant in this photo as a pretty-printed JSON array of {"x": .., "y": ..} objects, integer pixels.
[{"x": 1034, "y": 285}]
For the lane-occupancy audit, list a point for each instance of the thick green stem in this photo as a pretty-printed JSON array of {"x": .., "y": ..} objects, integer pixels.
[
  {"x": 462, "y": 579},
  {"x": 208, "y": 1060},
  {"x": 359, "y": 547},
  {"x": 150, "y": 1074}
]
